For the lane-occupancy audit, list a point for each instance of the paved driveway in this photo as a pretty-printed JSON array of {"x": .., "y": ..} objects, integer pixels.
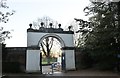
[
  {"x": 81, "y": 73},
  {"x": 48, "y": 70}
]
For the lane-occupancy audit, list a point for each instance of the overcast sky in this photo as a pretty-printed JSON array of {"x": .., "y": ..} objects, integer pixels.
[{"x": 27, "y": 11}]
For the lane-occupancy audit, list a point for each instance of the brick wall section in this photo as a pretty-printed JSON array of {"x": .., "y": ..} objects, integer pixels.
[{"x": 15, "y": 54}]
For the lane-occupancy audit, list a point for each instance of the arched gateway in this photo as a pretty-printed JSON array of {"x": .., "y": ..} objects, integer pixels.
[{"x": 35, "y": 38}]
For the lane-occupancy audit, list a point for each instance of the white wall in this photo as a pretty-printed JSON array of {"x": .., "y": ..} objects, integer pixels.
[
  {"x": 33, "y": 61},
  {"x": 33, "y": 58},
  {"x": 34, "y": 37},
  {"x": 69, "y": 59}
]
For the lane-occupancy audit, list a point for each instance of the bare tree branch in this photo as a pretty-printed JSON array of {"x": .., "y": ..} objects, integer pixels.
[
  {"x": 44, "y": 43},
  {"x": 51, "y": 42},
  {"x": 43, "y": 49}
]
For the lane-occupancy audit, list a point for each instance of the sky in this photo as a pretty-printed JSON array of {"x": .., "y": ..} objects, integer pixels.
[{"x": 27, "y": 11}]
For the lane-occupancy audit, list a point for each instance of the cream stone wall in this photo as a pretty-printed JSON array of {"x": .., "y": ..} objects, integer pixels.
[{"x": 33, "y": 56}]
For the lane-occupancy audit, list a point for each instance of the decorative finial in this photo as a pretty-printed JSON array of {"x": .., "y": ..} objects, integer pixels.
[
  {"x": 50, "y": 25},
  {"x": 42, "y": 24},
  {"x": 69, "y": 27},
  {"x": 30, "y": 25},
  {"x": 59, "y": 25}
]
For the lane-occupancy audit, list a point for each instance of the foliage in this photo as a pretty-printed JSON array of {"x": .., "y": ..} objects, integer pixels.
[
  {"x": 85, "y": 28},
  {"x": 45, "y": 61},
  {"x": 4, "y": 18},
  {"x": 103, "y": 42},
  {"x": 83, "y": 59},
  {"x": 4, "y": 35}
]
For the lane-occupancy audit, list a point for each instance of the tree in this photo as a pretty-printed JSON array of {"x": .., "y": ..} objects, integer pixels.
[
  {"x": 103, "y": 43},
  {"x": 85, "y": 28},
  {"x": 47, "y": 25},
  {"x": 4, "y": 18},
  {"x": 47, "y": 45}
]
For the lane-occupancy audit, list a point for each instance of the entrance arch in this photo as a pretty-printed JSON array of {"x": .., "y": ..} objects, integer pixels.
[
  {"x": 35, "y": 38},
  {"x": 62, "y": 63},
  {"x": 52, "y": 35}
]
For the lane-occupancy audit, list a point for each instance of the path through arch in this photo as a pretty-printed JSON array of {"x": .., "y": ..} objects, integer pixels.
[{"x": 59, "y": 66}]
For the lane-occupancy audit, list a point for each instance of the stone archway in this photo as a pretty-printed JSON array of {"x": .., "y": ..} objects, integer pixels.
[
  {"x": 62, "y": 63},
  {"x": 52, "y": 35},
  {"x": 36, "y": 36}
]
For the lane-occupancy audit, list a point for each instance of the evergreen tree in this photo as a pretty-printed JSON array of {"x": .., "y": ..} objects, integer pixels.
[{"x": 103, "y": 43}]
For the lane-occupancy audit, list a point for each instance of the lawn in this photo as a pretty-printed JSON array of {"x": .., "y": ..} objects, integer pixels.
[{"x": 44, "y": 60}]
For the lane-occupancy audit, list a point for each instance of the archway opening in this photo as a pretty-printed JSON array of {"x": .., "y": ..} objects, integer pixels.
[{"x": 52, "y": 55}]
